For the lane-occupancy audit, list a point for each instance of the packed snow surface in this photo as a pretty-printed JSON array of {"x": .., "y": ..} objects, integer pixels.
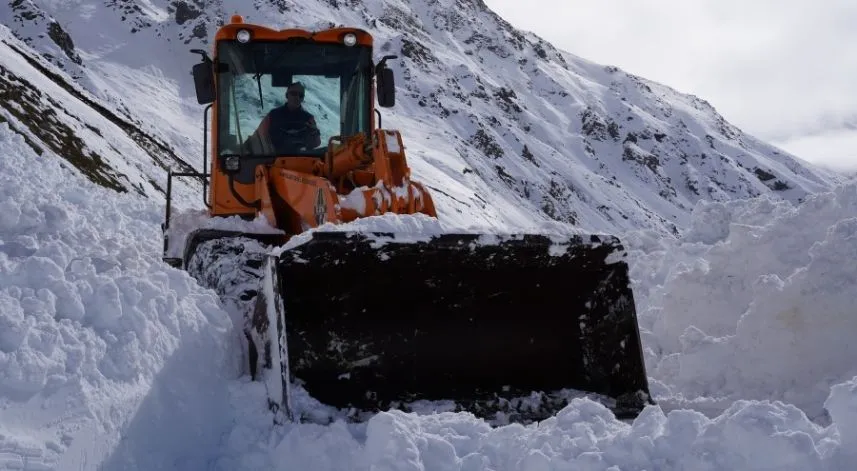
[{"x": 110, "y": 359}]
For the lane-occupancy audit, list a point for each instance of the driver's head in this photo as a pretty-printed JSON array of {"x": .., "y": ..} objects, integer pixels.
[{"x": 295, "y": 95}]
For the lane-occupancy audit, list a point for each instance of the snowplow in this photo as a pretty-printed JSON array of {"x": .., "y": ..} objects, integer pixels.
[{"x": 366, "y": 320}]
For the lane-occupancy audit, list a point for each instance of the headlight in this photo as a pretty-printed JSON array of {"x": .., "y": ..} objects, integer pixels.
[
  {"x": 243, "y": 36},
  {"x": 232, "y": 163},
  {"x": 350, "y": 39}
]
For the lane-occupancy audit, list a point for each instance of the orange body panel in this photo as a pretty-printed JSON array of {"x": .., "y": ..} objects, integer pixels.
[
  {"x": 294, "y": 200},
  {"x": 223, "y": 202}
]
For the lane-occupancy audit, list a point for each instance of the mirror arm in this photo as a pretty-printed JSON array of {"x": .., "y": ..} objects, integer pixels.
[
  {"x": 382, "y": 64},
  {"x": 202, "y": 53}
]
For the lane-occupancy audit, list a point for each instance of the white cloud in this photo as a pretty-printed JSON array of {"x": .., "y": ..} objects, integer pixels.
[
  {"x": 834, "y": 149},
  {"x": 779, "y": 69}
]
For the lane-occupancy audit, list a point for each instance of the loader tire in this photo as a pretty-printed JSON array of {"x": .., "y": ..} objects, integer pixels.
[{"x": 231, "y": 264}]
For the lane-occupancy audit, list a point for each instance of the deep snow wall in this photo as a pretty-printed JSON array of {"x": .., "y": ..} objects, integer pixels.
[
  {"x": 107, "y": 356},
  {"x": 755, "y": 301}
]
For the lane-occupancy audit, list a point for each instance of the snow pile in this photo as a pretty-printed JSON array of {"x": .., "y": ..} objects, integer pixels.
[
  {"x": 412, "y": 228},
  {"x": 184, "y": 222},
  {"x": 756, "y": 301},
  {"x": 106, "y": 355},
  {"x": 842, "y": 405},
  {"x": 583, "y": 436}
]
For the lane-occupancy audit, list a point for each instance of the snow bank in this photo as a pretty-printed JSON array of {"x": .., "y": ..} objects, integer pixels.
[
  {"x": 756, "y": 301},
  {"x": 107, "y": 357},
  {"x": 842, "y": 405},
  {"x": 183, "y": 222},
  {"x": 584, "y": 436}
]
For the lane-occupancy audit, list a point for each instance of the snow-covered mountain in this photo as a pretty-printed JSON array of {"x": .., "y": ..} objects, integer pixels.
[
  {"x": 110, "y": 360},
  {"x": 496, "y": 119}
]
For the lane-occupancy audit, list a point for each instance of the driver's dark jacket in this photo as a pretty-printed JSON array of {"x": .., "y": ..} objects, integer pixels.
[{"x": 282, "y": 119}]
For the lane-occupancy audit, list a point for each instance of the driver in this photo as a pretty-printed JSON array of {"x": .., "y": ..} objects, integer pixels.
[{"x": 288, "y": 128}]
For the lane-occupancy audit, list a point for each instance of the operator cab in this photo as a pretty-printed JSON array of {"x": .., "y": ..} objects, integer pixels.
[
  {"x": 247, "y": 79},
  {"x": 251, "y": 71}
]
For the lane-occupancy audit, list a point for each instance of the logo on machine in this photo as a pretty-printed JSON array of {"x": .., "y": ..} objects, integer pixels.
[{"x": 320, "y": 208}]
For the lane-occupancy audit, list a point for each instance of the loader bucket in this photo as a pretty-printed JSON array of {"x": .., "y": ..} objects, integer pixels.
[{"x": 371, "y": 322}]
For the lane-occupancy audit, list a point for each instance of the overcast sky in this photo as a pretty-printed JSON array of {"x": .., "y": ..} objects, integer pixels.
[{"x": 782, "y": 70}]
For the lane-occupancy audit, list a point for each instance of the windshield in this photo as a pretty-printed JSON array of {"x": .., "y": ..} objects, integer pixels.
[{"x": 252, "y": 104}]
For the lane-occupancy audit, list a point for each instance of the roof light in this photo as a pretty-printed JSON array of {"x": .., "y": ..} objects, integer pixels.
[
  {"x": 350, "y": 39},
  {"x": 243, "y": 36}
]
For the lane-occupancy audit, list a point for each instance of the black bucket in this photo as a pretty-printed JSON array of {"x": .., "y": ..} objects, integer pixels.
[{"x": 372, "y": 321}]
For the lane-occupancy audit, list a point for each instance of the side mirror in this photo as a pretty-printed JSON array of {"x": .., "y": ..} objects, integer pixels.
[
  {"x": 203, "y": 79},
  {"x": 385, "y": 84}
]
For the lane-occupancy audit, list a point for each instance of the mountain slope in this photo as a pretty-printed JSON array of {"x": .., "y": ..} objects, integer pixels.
[
  {"x": 55, "y": 115},
  {"x": 494, "y": 119}
]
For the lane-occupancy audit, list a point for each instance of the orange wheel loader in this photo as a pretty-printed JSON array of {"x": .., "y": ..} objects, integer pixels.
[{"x": 502, "y": 326}]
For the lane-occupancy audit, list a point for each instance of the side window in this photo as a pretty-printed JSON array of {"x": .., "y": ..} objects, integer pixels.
[{"x": 228, "y": 132}]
